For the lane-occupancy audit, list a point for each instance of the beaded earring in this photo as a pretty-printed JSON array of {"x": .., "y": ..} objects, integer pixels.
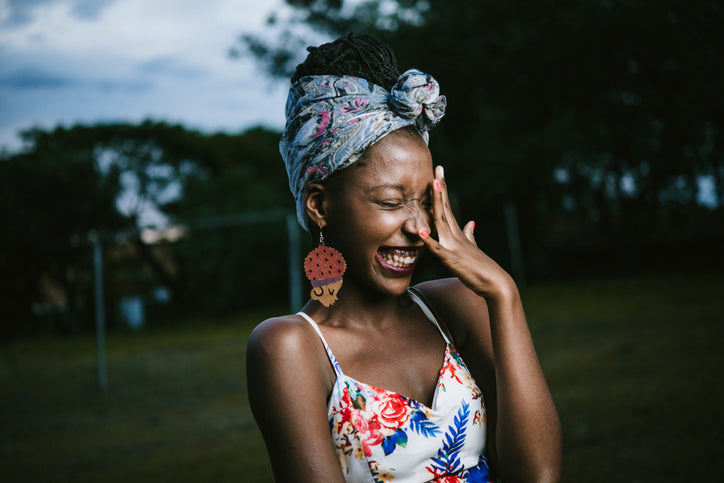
[{"x": 324, "y": 267}]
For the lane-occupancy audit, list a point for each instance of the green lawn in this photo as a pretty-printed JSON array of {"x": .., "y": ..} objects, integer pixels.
[{"x": 633, "y": 362}]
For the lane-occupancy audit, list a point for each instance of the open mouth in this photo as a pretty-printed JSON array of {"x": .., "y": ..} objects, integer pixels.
[{"x": 402, "y": 259}]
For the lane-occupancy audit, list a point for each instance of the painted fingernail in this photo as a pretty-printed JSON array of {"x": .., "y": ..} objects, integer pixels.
[
  {"x": 424, "y": 234},
  {"x": 473, "y": 226},
  {"x": 438, "y": 186}
]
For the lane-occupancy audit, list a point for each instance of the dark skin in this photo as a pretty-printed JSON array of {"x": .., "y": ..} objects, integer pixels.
[{"x": 392, "y": 199}]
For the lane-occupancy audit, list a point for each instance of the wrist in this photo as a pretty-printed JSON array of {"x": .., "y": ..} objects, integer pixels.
[{"x": 502, "y": 290}]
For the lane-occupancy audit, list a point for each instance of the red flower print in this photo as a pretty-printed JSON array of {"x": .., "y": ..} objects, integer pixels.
[
  {"x": 392, "y": 412},
  {"x": 343, "y": 412},
  {"x": 449, "y": 479},
  {"x": 369, "y": 433},
  {"x": 439, "y": 477},
  {"x": 451, "y": 369}
]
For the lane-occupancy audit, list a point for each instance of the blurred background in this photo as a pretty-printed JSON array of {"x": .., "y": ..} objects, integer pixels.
[{"x": 147, "y": 225}]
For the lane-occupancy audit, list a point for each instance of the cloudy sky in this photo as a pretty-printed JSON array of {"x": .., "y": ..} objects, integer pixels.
[{"x": 87, "y": 61}]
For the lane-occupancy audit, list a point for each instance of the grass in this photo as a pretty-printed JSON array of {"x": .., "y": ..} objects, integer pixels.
[
  {"x": 634, "y": 366},
  {"x": 175, "y": 409},
  {"x": 633, "y": 362}
]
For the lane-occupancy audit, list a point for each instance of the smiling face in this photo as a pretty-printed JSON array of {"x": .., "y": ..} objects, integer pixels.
[{"x": 375, "y": 209}]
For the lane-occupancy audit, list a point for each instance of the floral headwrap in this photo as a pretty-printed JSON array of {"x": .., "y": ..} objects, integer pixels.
[{"x": 332, "y": 120}]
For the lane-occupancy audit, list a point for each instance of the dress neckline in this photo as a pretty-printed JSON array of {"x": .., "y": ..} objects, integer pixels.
[
  {"x": 446, "y": 359},
  {"x": 341, "y": 375}
]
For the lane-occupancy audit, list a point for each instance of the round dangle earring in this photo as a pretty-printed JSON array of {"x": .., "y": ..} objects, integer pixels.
[{"x": 324, "y": 267}]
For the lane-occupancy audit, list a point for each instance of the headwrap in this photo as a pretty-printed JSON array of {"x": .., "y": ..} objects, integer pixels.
[{"x": 332, "y": 120}]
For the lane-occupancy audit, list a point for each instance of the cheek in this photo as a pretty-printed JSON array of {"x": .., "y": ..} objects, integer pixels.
[
  {"x": 363, "y": 234},
  {"x": 378, "y": 226}
]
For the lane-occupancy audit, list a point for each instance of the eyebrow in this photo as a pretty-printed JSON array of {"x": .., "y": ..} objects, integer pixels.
[{"x": 397, "y": 187}]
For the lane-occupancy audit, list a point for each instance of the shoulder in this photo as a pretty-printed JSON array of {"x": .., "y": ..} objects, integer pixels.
[
  {"x": 448, "y": 296},
  {"x": 465, "y": 313},
  {"x": 285, "y": 343},
  {"x": 459, "y": 308},
  {"x": 285, "y": 356},
  {"x": 279, "y": 333},
  {"x": 289, "y": 380},
  {"x": 287, "y": 346}
]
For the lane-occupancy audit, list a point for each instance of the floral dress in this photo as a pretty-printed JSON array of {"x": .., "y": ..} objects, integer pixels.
[{"x": 382, "y": 436}]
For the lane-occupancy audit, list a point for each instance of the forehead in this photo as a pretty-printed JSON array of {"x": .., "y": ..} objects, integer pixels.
[{"x": 398, "y": 159}]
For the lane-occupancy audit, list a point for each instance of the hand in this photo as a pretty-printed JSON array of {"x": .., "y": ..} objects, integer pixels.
[{"x": 458, "y": 250}]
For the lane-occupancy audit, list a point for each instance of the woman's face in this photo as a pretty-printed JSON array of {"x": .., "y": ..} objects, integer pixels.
[{"x": 376, "y": 210}]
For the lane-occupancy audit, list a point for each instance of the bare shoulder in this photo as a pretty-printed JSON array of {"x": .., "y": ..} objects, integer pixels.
[
  {"x": 463, "y": 311},
  {"x": 279, "y": 334},
  {"x": 285, "y": 343},
  {"x": 289, "y": 380},
  {"x": 285, "y": 358}
]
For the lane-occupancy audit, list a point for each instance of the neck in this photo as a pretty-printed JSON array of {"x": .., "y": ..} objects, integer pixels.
[{"x": 357, "y": 307}]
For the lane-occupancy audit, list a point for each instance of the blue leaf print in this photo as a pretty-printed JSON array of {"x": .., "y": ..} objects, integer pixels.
[
  {"x": 423, "y": 426},
  {"x": 479, "y": 474},
  {"x": 390, "y": 442},
  {"x": 448, "y": 457}
]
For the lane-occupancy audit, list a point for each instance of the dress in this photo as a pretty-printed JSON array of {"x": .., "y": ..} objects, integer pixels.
[{"x": 382, "y": 436}]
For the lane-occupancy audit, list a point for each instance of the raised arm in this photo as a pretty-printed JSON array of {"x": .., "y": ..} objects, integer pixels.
[
  {"x": 289, "y": 379},
  {"x": 499, "y": 349}
]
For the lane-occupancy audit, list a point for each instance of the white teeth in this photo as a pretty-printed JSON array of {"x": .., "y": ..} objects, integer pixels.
[{"x": 399, "y": 260}]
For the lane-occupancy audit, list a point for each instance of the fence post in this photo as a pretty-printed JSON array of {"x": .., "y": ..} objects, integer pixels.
[
  {"x": 100, "y": 314},
  {"x": 516, "y": 253}
]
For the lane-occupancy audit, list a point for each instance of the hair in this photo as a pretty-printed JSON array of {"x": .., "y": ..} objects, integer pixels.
[{"x": 353, "y": 54}]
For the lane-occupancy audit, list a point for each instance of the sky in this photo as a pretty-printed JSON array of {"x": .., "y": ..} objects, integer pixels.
[
  {"x": 64, "y": 62},
  {"x": 88, "y": 61}
]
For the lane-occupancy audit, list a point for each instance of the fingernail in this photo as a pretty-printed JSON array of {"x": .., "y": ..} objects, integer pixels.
[
  {"x": 473, "y": 225},
  {"x": 423, "y": 233},
  {"x": 438, "y": 186},
  {"x": 440, "y": 172}
]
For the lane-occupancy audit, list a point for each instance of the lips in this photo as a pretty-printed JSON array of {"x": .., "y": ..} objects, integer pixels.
[{"x": 400, "y": 261}]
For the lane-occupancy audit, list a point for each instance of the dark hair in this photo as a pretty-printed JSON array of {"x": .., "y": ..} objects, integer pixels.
[{"x": 357, "y": 55}]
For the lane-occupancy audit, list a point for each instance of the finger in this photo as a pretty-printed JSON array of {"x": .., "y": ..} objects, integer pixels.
[
  {"x": 431, "y": 244},
  {"x": 468, "y": 232},
  {"x": 438, "y": 205},
  {"x": 445, "y": 214}
]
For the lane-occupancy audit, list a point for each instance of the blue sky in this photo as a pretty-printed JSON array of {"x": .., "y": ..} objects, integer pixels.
[{"x": 88, "y": 61}]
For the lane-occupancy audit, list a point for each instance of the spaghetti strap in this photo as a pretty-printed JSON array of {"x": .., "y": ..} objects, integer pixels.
[
  {"x": 332, "y": 359},
  {"x": 418, "y": 300}
]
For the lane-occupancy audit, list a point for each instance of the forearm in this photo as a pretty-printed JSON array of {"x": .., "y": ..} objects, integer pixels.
[
  {"x": 528, "y": 433},
  {"x": 526, "y": 427}
]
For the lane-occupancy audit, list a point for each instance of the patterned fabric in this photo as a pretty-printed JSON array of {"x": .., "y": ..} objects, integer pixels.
[
  {"x": 332, "y": 120},
  {"x": 382, "y": 436}
]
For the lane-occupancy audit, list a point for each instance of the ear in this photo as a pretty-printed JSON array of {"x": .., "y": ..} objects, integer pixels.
[{"x": 315, "y": 204}]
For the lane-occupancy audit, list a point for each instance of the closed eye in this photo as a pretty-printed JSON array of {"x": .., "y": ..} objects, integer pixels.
[{"x": 391, "y": 203}]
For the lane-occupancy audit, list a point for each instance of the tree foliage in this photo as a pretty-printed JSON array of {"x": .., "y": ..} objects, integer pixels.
[
  {"x": 596, "y": 118},
  {"x": 69, "y": 184},
  {"x": 51, "y": 197}
]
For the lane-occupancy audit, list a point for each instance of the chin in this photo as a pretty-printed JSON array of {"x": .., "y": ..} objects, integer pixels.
[{"x": 394, "y": 288}]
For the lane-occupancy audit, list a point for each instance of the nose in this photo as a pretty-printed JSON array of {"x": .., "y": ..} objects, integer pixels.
[{"x": 418, "y": 218}]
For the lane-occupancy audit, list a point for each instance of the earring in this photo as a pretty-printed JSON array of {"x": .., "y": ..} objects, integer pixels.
[{"x": 324, "y": 267}]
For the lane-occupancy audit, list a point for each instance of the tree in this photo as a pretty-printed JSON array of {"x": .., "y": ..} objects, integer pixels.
[
  {"x": 68, "y": 183},
  {"x": 594, "y": 118},
  {"x": 51, "y": 197}
]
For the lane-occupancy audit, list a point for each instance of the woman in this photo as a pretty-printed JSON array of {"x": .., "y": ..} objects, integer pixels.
[{"x": 351, "y": 388}]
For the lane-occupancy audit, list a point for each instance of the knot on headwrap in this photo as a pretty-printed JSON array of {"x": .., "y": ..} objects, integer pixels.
[
  {"x": 332, "y": 120},
  {"x": 417, "y": 96}
]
